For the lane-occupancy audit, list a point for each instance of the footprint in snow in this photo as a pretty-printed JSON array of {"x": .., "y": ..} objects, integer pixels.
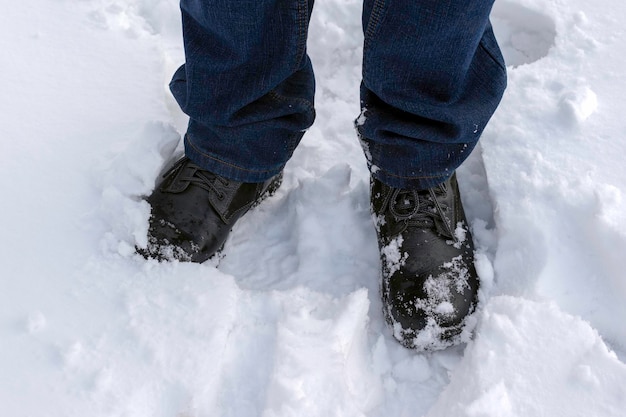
[{"x": 525, "y": 35}]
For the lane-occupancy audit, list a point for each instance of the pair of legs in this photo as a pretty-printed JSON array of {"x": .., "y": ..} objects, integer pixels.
[{"x": 432, "y": 77}]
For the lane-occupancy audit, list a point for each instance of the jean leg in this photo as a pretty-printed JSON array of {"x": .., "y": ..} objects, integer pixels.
[
  {"x": 433, "y": 75},
  {"x": 247, "y": 84}
]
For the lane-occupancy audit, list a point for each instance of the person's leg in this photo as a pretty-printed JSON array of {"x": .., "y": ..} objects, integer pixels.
[
  {"x": 432, "y": 77},
  {"x": 247, "y": 86}
]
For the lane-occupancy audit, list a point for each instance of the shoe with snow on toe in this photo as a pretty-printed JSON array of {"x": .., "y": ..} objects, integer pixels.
[
  {"x": 429, "y": 282},
  {"x": 193, "y": 211}
]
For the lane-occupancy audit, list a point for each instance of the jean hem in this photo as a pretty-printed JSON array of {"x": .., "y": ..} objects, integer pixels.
[
  {"x": 408, "y": 183},
  {"x": 227, "y": 169}
]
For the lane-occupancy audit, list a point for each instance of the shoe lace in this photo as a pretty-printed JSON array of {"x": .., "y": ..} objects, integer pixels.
[
  {"x": 197, "y": 176},
  {"x": 421, "y": 208}
]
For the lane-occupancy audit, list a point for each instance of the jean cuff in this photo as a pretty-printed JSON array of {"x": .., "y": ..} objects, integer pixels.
[{"x": 224, "y": 168}]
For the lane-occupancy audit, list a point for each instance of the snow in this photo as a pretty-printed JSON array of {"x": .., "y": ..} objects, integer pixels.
[
  {"x": 392, "y": 255},
  {"x": 291, "y": 323}
]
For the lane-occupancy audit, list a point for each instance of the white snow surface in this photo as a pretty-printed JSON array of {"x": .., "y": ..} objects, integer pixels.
[{"x": 291, "y": 323}]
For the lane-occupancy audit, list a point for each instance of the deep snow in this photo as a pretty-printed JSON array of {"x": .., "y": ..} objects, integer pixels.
[{"x": 291, "y": 324}]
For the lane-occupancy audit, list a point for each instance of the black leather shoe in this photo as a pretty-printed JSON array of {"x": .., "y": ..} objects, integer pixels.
[
  {"x": 193, "y": 211},
  {"x": 429, "y": 282}
]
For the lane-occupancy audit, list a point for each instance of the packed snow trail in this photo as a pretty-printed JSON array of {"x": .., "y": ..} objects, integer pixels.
[{"x": 291, "y": 324}]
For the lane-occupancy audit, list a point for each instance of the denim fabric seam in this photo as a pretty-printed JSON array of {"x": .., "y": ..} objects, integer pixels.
[
  {"x": 491, "y": 55},
  {"x": 229, "y": 164},
  {"x": 302, "y": 20},
  {"x": 373, "y": 24}
]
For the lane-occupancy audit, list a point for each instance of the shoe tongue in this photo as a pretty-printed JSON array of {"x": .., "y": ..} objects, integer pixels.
[
  {"x": 176, "y": 183},
  {"x": 405, "y": 203},
  {"x": 420, "y": 206}
]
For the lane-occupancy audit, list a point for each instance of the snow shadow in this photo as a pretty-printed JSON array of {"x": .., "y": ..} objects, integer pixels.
[{"x": 525, "y": 35}]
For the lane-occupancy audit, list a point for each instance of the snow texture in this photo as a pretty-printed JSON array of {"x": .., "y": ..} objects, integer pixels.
[
  {"x": 291, "y": 323},
  {"x": 393, "y": 256}
]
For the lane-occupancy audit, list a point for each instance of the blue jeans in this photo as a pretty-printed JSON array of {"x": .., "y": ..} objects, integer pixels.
[{"x": 432, "y": 77}]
